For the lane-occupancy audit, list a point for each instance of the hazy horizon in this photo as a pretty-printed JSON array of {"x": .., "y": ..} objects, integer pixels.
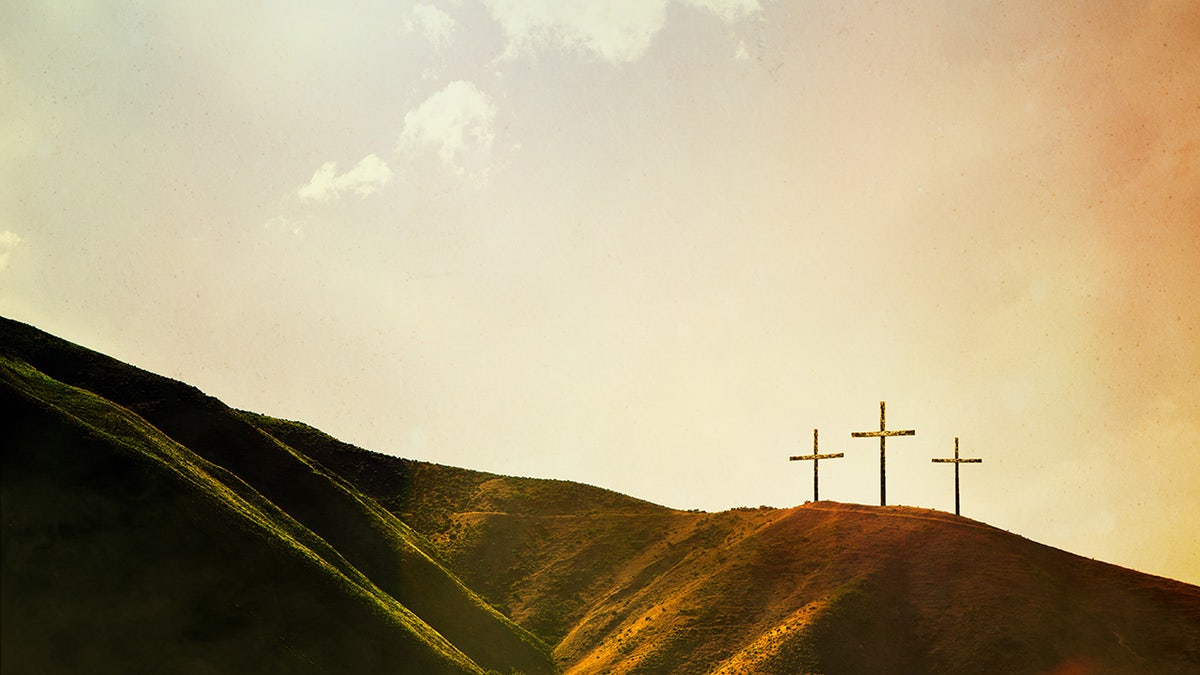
[{"x": 647, "y": 245}]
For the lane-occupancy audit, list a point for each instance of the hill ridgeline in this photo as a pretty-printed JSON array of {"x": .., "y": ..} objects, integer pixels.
[{"x": 147, "y": 527}]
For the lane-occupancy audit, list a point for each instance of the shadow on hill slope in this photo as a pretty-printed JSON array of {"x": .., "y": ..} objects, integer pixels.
[
  {"x": 126, "y": 553},
  {"x": 373, "y": 540}
]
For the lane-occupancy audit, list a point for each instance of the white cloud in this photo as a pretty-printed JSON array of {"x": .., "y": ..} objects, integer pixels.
[
  {"x": 431, "y": 22},
  {"x": 618, "y": 31},
  {"x": 284, "y": 224},
  {"x": 366, "y": 178},
  {"x": 457, "y": 123},
  {"x": 728, "y": 10},
  {"x": 9, "y": 241}
]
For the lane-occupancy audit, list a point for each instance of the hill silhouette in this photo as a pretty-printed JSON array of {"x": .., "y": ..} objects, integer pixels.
[
  {"x": 131, "y": 416},
  {"x": 149, "y": 528}
]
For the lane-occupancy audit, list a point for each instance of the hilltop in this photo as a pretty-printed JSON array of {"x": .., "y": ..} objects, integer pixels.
[{"x": 148, "y": 527}]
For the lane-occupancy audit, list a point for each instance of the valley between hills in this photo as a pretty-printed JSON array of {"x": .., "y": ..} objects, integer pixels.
[{"x": 150, "y": 528}]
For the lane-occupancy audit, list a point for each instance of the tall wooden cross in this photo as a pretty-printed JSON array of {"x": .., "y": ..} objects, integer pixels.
[
  {"x": 883, "y": 434},
  {"x": 956, "y": 461},
  {"x": 816, "y": 458}
]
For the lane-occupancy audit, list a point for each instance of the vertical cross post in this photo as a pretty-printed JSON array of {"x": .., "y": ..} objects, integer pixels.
[
  {"x": 883, "y": 434},
  {"x": 956, "y": 461},
  {"x": 815, "y": 459}
]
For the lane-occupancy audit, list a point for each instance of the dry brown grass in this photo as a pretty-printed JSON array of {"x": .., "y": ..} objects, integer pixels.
[{"x": 824, "y": 587}]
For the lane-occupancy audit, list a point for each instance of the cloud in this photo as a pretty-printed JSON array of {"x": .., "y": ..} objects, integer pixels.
[
  {"x": 431, "y": 22},
  {"x": 366, "y": 178},
  {"x": 618, "y": 31},
  {"x": 457, "y": 123},
  {"x": 9, "y": 241},
  {"x": 741, "y": 53},
  {"x": 727, "y": 10},
  {"x": 284, "y": 224}
]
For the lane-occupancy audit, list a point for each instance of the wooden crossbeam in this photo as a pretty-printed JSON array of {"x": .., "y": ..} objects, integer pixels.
[
  {"x": 883, "y": 434},
  {"x": 815, "y": 457},
  {"x": 956, "y": 460}
]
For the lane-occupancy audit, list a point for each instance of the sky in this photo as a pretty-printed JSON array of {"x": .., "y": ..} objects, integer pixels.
[{"x": 648, "y": 245}]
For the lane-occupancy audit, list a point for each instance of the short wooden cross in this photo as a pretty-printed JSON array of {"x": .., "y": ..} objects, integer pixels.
[
  {"x": 815, "y": 460},
  {"x": 883, "y": 434},
  {"x": 956, "y": 460}
]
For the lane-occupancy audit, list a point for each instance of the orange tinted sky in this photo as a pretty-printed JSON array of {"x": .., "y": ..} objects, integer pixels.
[{"x": 647, "y": 245}]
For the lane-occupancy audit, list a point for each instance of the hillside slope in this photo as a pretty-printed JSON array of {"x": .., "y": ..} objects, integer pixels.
[
  {"x": 495, "y": 530},
  {"x": 623, "y": 586},
  {"x": 426, "y": 494},
  {"x": 837, "y": 588},
  {"x": 124, "y": 552},
  {"x": 373, "y": 542}
]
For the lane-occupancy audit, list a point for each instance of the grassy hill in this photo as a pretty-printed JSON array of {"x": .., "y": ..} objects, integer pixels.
[
  {"x": 149, "y": 528},
  {"x": 839, "y": 588},
  {"x": 342, "y": 528},
  {"x": 124, "y": 552},
  {"x": 619, "y": 585},
  {"x": 495, "y": 529}
]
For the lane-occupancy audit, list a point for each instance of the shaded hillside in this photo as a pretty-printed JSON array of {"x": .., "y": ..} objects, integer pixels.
[
  {"x": 497, "y": 529},
  {"x": 371, "y": 540},
  {"x": 622, "y": 586},
  {"x": 426, "y": 494},
  {"x": 124, "y": 552}
]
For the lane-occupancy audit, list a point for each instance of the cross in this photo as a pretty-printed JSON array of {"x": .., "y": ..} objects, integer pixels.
[
  {"x": 956, "y": 461},
  {"x": 815, "y": 460},
  {"x": 883, "y": 433}
]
